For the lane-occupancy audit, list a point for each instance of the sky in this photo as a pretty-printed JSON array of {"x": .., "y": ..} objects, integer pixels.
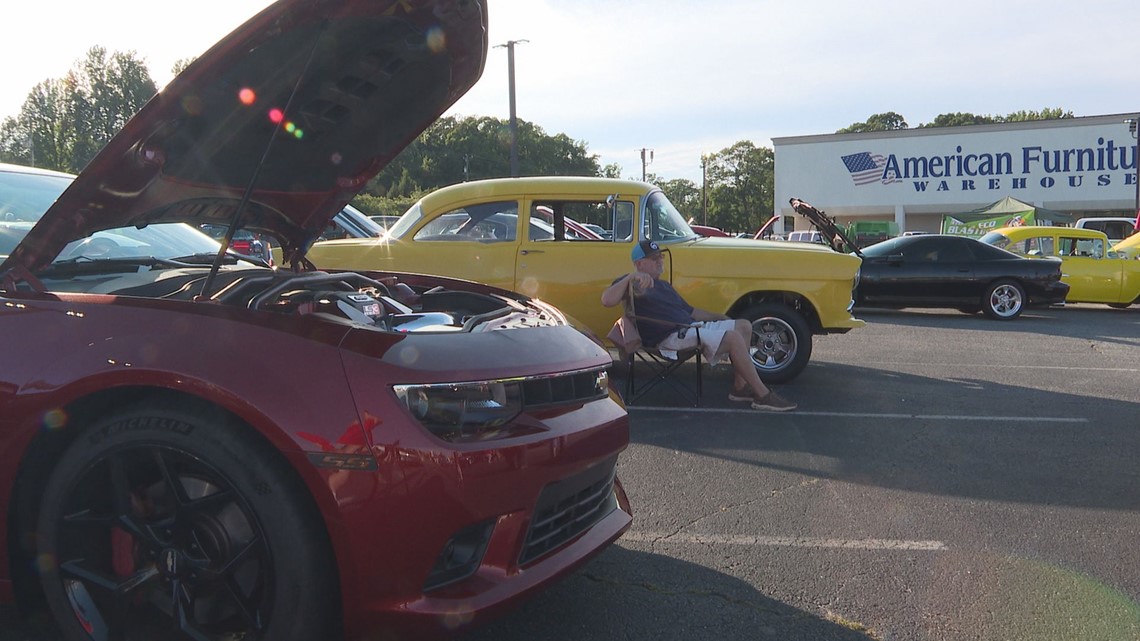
[{"x": 685, "y": 78}]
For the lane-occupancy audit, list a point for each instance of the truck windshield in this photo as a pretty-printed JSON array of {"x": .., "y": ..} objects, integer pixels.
[{"x": 662, "y": 220}]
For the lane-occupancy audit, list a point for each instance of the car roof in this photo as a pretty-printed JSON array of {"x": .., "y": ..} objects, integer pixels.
[
  {"x": 1041, "y": 230},
  {"x": 1106, "y": 219},
  {"x": 285, "y": 119},
  {"x": 39, "y": 171},
  {"x": 537, "y": 187},
  {"x": 1127, "y": 243}
]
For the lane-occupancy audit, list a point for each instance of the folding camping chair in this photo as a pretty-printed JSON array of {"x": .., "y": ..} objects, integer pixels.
[{"x": 664, "y": 366}]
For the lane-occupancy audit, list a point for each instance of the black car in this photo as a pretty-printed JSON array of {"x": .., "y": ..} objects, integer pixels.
[{"x": 957, "y": 272}]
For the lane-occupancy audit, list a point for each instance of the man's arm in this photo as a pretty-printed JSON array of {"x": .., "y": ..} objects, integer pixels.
[{"x": 614, "y": 293}]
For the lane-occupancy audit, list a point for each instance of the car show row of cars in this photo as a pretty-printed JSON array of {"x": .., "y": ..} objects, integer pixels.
[
  {"x": 195, "y": 445},
  {"x": 396, "y": 430}
]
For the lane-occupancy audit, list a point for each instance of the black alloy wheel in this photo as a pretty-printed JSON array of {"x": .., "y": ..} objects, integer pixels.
[{"x": 159, "y": 524}]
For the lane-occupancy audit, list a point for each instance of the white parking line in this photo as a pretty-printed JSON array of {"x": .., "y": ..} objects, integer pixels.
[
  {"x": 785, "y": 541},
  {"x": 924, "y": 417},
  {"x": 978, "y": 366}
]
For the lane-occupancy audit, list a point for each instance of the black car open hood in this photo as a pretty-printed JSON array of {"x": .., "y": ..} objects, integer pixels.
[
  {"x": 292, "y": 114},
  {"x": 827, "y": 227}
]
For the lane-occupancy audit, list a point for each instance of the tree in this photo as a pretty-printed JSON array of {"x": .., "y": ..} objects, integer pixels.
[
  {"x": 455, "y": 149},
  {"x": 1044, "y": 114},
  {"x": 39, "y": 135},
  {"x": 108, "y": 91},
  {"x": 958, "y": 119},
  {"x": 180, "y": 65},
  {"x": 684, "y": 194},
  {"x": 64, "y": 123},
  {"x": 889, "y": 121},
  {"x": 612, "y": 170},
  {"x": 740, "y": 184}
]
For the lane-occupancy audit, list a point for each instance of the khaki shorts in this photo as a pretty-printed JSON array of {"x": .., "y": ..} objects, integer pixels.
[{"x": 712, "y": 333}]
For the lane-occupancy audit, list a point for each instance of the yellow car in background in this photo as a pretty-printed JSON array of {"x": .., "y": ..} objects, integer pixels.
[
  {"x": 1129, "y": 248},
  {"x": 534, "y": 236},
  {"x": 1095, "y": 273}
]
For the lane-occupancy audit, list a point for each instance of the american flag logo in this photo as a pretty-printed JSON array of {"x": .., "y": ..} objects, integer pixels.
[{"x": 867, "y": 168}]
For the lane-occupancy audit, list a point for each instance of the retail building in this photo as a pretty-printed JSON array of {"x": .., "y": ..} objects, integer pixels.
[{"x": 1081, "y": 166}]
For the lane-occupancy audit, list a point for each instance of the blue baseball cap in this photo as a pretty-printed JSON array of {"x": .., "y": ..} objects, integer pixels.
[{"x": 645, "y": 249}]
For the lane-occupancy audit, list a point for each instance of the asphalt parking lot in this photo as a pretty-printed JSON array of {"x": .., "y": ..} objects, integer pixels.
[{"x": 947, "y": 477}]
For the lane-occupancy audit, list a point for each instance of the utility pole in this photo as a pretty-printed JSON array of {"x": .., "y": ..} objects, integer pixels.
[
  {"x": 510, "y": 45},
  {"x": 704, "y": 190},
  {"x": 1131, "y": 122},
  {"x": 644, "y": 162},
  {"x": 31, "y": 147}
]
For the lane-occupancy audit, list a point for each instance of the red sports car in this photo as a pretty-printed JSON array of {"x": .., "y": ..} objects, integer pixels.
[{"x": 196, "y": 446}]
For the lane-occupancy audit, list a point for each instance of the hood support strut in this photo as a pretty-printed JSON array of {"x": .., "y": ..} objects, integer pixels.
[
  {"x": 208, "y": 282},
  {"x": 826, "y": 225}
]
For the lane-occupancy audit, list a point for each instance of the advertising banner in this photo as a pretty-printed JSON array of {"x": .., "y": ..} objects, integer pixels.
[{"x": 979, "y": 228}]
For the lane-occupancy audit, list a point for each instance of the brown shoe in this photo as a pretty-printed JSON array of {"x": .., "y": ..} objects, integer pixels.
[{"x": 773, "y": 403}]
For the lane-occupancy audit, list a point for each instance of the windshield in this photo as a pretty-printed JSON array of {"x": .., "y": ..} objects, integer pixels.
[
  {"x": 353, "y": 223},
  {"x": 163, "y": 240},
  {"x": 25, "y": 196},
  {"x": 410, "y": 218},
  {"x": 996, "y": 239},
  {"x": 662, "y": 221},
  {"x": 888, "y": 247}
]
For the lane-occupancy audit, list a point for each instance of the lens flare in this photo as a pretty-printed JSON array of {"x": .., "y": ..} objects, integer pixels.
[
  {"x": 55, "y": 419},
  {"x": 46, "y": 562},
  {"x": 276, "y": 116},
  {"x": 247, "y": 96},
  {"x": 192, "y": 105},
  {"x": 436, "y": 40}
]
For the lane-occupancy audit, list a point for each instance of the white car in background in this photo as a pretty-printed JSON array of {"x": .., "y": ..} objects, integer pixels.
[
  {"x": 1116, "y": 228},
  {"x": 808, "y": 236}
]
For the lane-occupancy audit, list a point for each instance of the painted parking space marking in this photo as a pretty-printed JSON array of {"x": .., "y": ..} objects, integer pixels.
[
  {"x": 785, "y": 541},
  {"x": 922, "y": 417},
  {"x": 977, "y": 366}
]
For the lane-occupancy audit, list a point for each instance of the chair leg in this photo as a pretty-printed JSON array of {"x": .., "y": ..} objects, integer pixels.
[
  {"x": 629, "y": 383},
  {"x": 664, "y": 372},
  {"x": 700, "y": 371}
]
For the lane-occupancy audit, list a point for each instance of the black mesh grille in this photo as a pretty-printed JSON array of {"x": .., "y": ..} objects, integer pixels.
[
  {"x": 564, "y": 389},
  {"x": 569, "y": 507}
]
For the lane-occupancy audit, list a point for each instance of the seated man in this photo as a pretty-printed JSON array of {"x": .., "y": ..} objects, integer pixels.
[{"x": 720, "y": 336}]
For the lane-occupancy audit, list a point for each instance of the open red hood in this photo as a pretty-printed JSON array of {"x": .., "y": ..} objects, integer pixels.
[{"x": 293, "y": 112}]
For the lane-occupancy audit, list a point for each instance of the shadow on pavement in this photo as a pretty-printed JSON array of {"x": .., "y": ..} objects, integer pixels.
[
  {"x": 626, "y": 594},
  {"x": 629, "y": 594}
]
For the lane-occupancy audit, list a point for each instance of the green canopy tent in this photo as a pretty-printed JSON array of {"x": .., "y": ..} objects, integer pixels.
[{"x": 1006, "y": 212}]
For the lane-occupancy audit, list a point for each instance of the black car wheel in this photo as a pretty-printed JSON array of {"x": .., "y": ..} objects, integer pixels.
[
  {"x": 165, "y": 524},
  {"x": 781, "y": 342},
  {"x": 1004, "y": 300}
]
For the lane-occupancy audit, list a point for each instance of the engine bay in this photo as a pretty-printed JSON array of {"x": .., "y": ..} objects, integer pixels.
[{"x": 395, "y": 303}]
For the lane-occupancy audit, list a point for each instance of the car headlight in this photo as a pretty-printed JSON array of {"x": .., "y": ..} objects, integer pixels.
[{"x": 463, "y": 411}]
